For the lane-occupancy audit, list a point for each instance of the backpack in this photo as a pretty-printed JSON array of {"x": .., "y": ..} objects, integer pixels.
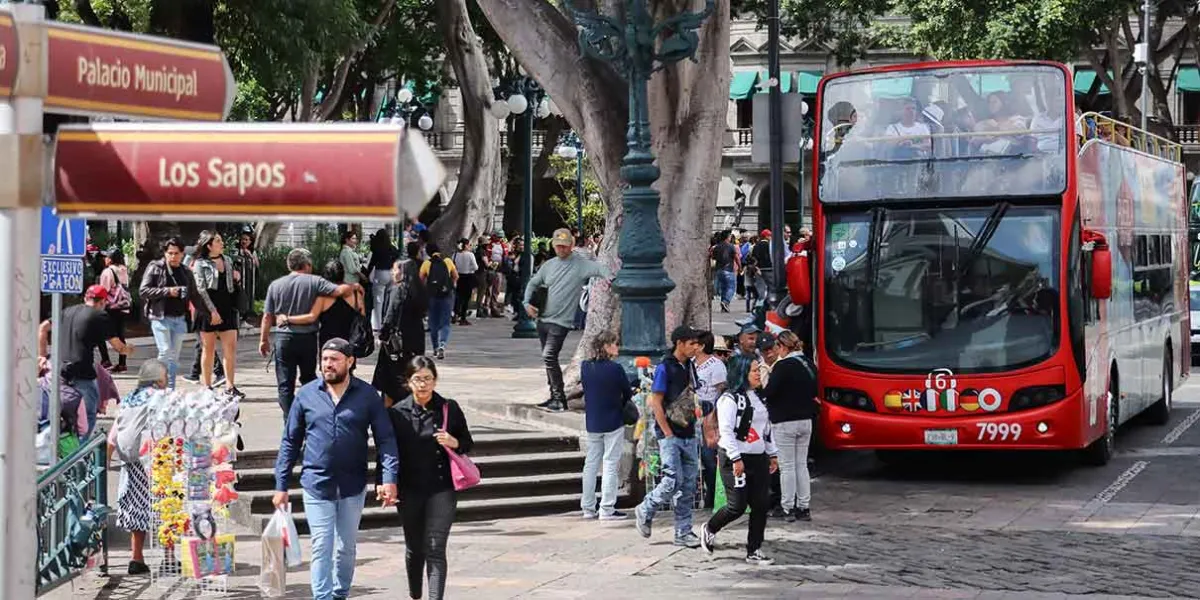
[
  {"x": 362, "y": 339},
  {"x": 438, "y": 281}
]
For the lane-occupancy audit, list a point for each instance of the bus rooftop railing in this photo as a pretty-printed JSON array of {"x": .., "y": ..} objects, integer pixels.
[{"x": 1091, "y": 125}]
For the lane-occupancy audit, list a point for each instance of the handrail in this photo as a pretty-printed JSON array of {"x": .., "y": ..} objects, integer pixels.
[
  {"x": 1124, "y": 134},
  {"x": 72, "y": 510}
]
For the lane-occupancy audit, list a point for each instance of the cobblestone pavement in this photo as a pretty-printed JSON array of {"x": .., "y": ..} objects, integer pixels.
[{"x": 938, "y": 526}]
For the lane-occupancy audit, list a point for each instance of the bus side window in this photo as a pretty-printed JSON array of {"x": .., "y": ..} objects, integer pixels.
[{"x": 1078, "y": 302}]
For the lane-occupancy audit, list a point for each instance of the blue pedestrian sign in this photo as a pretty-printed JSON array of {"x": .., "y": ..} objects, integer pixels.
[
  {"x": 62, "y": 237},
  {"x": 62, "y": 275}
]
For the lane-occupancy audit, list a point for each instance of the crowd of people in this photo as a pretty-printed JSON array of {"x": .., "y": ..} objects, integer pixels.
[{"x": 744, "y": 412}]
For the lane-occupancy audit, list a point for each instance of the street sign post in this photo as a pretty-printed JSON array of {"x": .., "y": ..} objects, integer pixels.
[
  {"x": 8, "y": 54},
  {"x": 62, "y": 237},
  {"x": 62, "y": 275},
  {"x": 97, "y": 72},
  {"x": 272, "y": 172}
]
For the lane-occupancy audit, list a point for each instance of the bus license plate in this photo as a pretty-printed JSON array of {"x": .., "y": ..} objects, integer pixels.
[{"x": 941, "y": 437}]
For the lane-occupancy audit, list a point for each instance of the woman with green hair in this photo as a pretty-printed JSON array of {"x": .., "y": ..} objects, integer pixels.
[{"x": 747, "y": 457}]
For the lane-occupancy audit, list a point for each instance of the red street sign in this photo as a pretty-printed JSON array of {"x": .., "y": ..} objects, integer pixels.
[
  {"x": 8, "y": 54},
  {"x": 96, "y": 72},
  {"x": 261, "y": 171}
]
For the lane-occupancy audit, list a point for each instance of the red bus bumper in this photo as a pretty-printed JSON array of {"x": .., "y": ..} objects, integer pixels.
[{"x": 1058, "y": 426}]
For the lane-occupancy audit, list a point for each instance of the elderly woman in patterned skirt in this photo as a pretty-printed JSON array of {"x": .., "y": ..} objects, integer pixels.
[{"x": 133, "y": 499}]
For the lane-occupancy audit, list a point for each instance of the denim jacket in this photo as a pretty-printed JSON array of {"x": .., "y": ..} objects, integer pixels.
[{"x": 207, "y": 279}]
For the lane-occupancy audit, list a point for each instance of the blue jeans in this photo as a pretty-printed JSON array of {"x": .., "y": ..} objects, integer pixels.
[
  {"x": 726, "y": 285},
  {"x": 440, "y": 311},
  {"x": 168, "y": 336},
  {"x": 680, "y": 459},
  {"x": 331, "y": 521},
  {"x": 90, "y": 390}
]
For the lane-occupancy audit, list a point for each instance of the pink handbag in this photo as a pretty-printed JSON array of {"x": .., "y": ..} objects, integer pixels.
[{"x": 464, "y": 472}]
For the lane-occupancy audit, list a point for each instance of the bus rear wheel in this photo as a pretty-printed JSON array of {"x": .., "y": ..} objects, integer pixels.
[
  {"x": 1101, "y": 451},
  {"x": 1159, "y": 413}
]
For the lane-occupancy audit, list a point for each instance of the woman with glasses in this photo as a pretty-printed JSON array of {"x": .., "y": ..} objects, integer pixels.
[
  {"x": 427, "y": 426},
  {"x": 747, "y": 458}
]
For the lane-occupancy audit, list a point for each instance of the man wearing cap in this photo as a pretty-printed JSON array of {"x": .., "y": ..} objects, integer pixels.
[
  {"x": 84, "y": 327},
  {"x": 563, "y": 277},
  {"x": 678, "y": 448},
  {"x": 328, "y": 423},
  {"x": 747, "y": 341}
]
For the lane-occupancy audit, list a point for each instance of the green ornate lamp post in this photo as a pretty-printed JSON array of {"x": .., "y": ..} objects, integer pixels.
[
  {"x": 638, "y": 47},
  {"x": 527, "y": 100}
]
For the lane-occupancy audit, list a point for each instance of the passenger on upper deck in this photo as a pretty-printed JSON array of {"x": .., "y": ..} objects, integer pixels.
[
  {"x": 1047, "y": 124},
  {"x": 1002, "y": 122},
  {"x": 915, "y": 140}
]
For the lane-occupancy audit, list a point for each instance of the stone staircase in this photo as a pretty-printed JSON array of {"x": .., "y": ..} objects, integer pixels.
[{"x": 524, "y": 474}]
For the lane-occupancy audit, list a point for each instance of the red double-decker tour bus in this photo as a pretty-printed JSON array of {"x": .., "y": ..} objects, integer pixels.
[{"x": 991, "y": 269}]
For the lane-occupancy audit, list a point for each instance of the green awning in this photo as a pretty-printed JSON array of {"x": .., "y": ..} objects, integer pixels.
[
  {"x": 785, "y": 82},
  {"x": 806, "y": 82},
  {"x": 892, "y": 87},
  {"x": 742, "y": 85},
  {"x": 1084, "y": 78},
  {"x": 1188, "y": 79}
]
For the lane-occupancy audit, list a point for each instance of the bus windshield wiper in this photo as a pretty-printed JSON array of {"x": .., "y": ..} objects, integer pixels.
[
  {"x": 982, "y": 239},
  {"x": 878, "y": 218}
]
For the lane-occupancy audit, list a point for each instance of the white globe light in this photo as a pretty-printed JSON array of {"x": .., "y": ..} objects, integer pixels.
[
  {"x": 404, "y": 95},
  {"x": 397, "y": 121},
  {"x": 803, "y": 107},
  {"x": 517, "y": 104},
  {"x": 500, "y": 109},
  {"x": 543, "y": 109},
  {"x": 568, "y": 152},
  {"x": 425, "y": 123}
]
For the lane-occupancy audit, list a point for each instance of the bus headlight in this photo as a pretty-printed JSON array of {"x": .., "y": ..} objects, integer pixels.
[
  {"x": 1043, "y": 427},
  {"x": 846, "y": 428},
  {"x": 1035, "y": 396},
  {"x": 855, "y": 399}
]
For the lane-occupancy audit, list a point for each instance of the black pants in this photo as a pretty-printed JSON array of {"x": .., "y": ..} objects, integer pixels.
[
  {"x": 218, "y": 366},
  {"x": 116, "y": 321},
  {"x": 427, "y": 519},
  {"x": 552, "y": 337},
  {"x": 756, "y": 494},
  {"x": 462, "y": 296},
  {"x": 294, "y": 352}
]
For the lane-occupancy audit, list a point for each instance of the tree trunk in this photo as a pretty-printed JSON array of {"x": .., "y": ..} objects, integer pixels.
[
  {"x": 470, "y": 209},
  {"x": 333, "y": 99},
  {"x": 687, "y": 115}
]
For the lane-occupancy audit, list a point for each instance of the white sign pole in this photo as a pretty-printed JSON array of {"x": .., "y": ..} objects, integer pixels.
[{"x": 20, "y": 398}]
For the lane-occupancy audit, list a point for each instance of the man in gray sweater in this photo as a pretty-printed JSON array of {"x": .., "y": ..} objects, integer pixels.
[{"x": 563, "y": 277}]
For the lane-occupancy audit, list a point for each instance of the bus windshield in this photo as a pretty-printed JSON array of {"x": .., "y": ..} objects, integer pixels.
[
  {"x": 970, "y": 289},
  {"x": 957, "y": 132}
]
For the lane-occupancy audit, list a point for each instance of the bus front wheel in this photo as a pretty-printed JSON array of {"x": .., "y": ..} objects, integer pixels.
[{"x": 1101, "y": 451}]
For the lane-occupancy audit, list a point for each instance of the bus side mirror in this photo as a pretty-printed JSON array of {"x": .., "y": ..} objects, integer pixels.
[
  {"x": 799, "y": 280},
  {"x": 1101, "y": 258}
]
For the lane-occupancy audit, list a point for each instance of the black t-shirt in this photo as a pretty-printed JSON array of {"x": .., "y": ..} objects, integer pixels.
[
  {"x": 83, "y": 330},
  {"x": 724, "y": 254},
  {"x": 762, "y": 254}
]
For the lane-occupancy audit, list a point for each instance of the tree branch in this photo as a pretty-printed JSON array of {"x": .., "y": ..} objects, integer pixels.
[
  {"x": 87, "y": 13},
  {"x": 333, "y": 98}
]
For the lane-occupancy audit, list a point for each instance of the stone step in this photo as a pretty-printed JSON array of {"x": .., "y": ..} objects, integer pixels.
[
  {"x": 554, "y": 484},
  {"x": 486, "y": 444},
  {"x": 503, "y": 466},
  {"x": 376, "y": 517}
]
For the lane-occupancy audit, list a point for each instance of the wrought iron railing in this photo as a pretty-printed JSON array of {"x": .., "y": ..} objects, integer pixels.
[{"x": 72, "y": 511}]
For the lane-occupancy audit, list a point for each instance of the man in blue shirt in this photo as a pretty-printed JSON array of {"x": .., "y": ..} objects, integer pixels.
[
  {"x": 678, "y": 449},
  {"x": 329, "y": 420}
]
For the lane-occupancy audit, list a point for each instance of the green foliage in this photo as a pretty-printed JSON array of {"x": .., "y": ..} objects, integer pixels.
[
  {"x": 323, "y": 242},
  {"x": 594, "y": 211},
  {"x": 844, "y": 25}
]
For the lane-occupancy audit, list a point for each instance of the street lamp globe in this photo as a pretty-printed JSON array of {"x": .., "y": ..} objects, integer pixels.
[
  {"x": 568, "y": 152},
  {"x": 517, "y": 103},
  {"x": 405, "y": 95},
  {"x": 500, "y": 109},
  {"x": 425, "y": 123},
  {"x": 397, "y": 121},
  {"x": 543, "y": 109},
  {"x": 803, "y": 107}
]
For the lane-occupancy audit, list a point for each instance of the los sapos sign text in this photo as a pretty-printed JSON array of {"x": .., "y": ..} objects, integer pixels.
[
  {"x": 279, "y": 172},
  {"x": 99, "y": 72}
]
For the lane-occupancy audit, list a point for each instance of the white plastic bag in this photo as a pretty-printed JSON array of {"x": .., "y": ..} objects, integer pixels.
[
  {"x": 283, "y": 526},
  {"x": 272, "y": 579}
]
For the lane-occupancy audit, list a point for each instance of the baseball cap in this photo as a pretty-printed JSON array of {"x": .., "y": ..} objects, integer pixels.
[
  {"x": 96, "y": 292},
  {"x": 562, "y": 237},
  {"x": 749, "y": 328},
  {"x": 338, "y": 345},
  {"x": 683, "y": 333},
  {"x": 765, "y": 233}
]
